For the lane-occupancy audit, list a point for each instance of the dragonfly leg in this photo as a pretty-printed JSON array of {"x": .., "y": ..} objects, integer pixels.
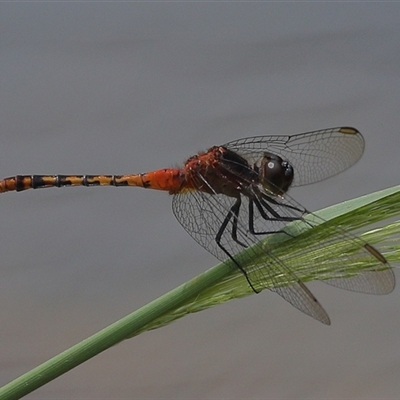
[
  {"x": 233, "y": 213},
  {"x": 264, "y": 215},
  {"x": 273, "y": 201},
  {"x": 260, "y": 203}
]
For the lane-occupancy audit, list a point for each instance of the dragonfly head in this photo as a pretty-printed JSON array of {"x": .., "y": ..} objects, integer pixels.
[{"x": 276, "y": 175}]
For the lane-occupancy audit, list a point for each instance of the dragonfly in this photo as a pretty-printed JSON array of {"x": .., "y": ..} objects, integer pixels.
[{"x": 230, "y": 197}]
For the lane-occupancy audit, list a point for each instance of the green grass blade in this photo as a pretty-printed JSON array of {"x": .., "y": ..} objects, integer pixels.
[{"x": 224, "y": 282}]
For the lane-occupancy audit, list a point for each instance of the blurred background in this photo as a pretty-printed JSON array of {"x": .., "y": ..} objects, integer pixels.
[{"x": 93, "y": 88}]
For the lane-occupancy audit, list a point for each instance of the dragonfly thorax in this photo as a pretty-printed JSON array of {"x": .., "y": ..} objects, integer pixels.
[{"x": 276, "y": 175}]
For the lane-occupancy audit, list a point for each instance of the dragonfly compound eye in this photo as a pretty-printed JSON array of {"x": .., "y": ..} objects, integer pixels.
[{"x": 276, "y": 175}]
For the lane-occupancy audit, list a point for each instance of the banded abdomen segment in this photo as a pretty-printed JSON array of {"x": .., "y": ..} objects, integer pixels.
[{"x": 166, "y": 179}]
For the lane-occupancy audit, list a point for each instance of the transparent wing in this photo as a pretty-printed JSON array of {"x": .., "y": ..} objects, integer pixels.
[
  {"x": 314, "y": 156},
  {"x": 253, "y": 213},
  {"x": 344, "y": 251},
  {"x": 371, "y": 282},
  {"x": 202, "y": 215}
]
